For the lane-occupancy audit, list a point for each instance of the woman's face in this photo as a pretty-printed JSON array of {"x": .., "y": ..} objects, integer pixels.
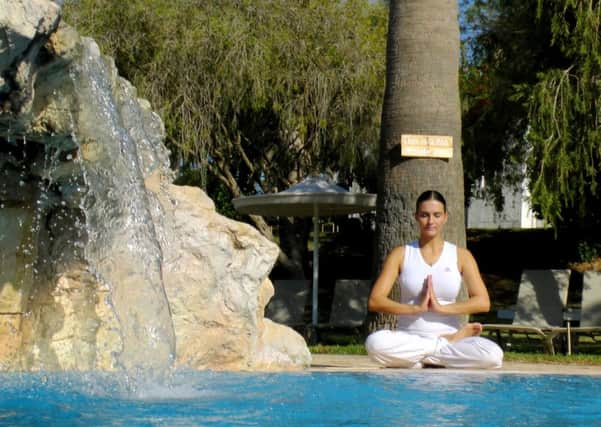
[{"x": 431, "y": 216}]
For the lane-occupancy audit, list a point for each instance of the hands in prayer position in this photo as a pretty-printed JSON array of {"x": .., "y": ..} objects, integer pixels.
[{"x": 430, "y": 302}]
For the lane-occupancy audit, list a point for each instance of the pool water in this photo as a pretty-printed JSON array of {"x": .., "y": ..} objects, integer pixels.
[{"x": 388, "y": 398}]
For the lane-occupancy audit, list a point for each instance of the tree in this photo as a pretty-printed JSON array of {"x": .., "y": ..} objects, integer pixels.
[
  {"x": 421, "y": 97},
  {"x": 255, "y": 93},
  {"x": 531, "y": 97},
  {"x": 504, "y": 45},
  {"x": 564, "y": 117}
]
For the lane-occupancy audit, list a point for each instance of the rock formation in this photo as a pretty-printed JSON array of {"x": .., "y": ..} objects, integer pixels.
[{"x": 104, "y": 264}]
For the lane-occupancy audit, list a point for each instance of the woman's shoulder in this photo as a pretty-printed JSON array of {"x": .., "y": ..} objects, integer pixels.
[
  {"x": 397, "y": 254},
  {"x": 409, "y": 246},
  {"x": 463, "y": 254},
  {"x": 398, "y": 251},
  {"x": 395, "y": 258}
]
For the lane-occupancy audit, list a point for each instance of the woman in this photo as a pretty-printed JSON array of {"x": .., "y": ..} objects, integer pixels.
[{"x": 429, "y": 272}]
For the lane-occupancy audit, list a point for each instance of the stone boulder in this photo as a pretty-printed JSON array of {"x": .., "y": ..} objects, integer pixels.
[{"x": 215, "y": 276}]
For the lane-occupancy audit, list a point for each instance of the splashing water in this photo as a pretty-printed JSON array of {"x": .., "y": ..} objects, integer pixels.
[
  {"x": 78, "y": 206},
  {"x": 122, "y": 246}
]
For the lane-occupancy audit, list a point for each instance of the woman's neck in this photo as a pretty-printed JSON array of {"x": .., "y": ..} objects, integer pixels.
[
  {"x": 431, "y": 249},
  {"x": 431, "y": 242}
]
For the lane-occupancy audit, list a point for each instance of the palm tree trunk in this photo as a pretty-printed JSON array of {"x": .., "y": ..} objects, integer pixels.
[{"x": 421, "y": 97}]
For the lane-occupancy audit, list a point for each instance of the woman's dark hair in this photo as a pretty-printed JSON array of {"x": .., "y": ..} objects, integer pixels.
[{"x": 430, "y": 195}]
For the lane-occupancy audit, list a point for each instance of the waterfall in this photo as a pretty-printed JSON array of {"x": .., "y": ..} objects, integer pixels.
[
  {"x": 104, "y": 263},
  {"x": 122, "y": 246},
  {"x": 75, "y": 196}
]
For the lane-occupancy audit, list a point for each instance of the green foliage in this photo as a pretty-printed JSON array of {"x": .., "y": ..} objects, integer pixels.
[
  {"x": 564, "y": 117},
  {"x": 531, "y": 93},
  {"x": 588, "y": 251},
  {"x": 252, "y": 92},
  {"x": 574, "y": 359},
  {"x": 509, "y": 356},
  {"x": 504, "y": 45},
  {"x": 351, "y": 349}
]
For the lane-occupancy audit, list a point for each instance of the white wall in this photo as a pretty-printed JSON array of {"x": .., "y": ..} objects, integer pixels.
[{"x": 516, "y": 211}]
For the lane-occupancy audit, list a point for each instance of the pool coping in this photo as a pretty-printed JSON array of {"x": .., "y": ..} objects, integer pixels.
[{"x": 356, "y": 363}]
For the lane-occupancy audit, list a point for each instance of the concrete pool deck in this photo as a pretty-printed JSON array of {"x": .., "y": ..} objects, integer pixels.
[{"x": 351, "y": 363}]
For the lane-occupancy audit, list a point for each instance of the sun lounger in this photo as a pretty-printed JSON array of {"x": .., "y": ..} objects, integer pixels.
[
  {"x": 287, "y": 306},
  {"x": 542, "y": 297},
  {"x": 591, "y": 301},
  {"x": 590, "y": 312},
  {"x": 348, "y": 311},
  {"x": 349, "y": 305}
]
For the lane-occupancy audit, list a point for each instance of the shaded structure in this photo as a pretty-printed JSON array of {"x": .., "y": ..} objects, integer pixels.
[{"x": 313, "y": 197}]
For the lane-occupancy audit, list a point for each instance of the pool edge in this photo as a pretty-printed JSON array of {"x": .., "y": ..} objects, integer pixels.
[{"x": 354, "y": 363}]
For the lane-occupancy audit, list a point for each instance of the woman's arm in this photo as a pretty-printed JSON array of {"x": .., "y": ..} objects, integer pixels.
[
  {"x": 478, "y": 301},
  {"x": 379, "y": 300}
]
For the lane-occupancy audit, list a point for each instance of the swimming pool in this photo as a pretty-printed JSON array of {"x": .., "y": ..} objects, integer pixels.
[{"x": 390, "y": 398}]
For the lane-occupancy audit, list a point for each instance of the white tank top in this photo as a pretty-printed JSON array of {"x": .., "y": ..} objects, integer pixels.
[{"x": 446, "y": 279}]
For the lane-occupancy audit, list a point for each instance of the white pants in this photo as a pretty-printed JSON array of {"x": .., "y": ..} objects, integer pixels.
[{"x": 400, "y": 349}]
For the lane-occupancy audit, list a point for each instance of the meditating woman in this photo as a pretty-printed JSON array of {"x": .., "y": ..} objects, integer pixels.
[{"x": 429, "y": 272}]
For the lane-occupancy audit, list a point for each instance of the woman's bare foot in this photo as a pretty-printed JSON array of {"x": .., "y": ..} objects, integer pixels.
[{"x": 467, "y": 330}]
